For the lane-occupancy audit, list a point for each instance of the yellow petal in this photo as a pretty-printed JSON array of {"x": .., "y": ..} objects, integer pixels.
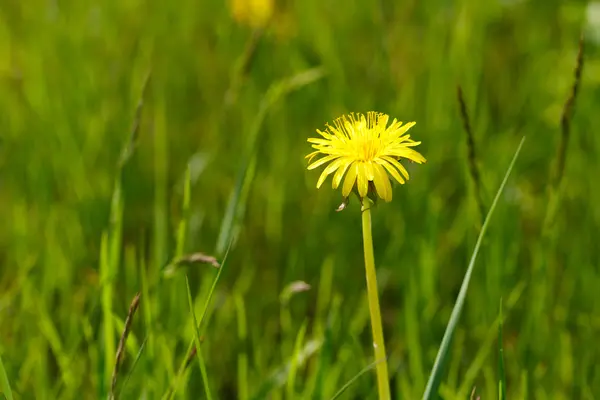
[
  {"x": 381, "y": 120},
  {"x": 350, "y": 179},
  {"x": 312, "y": 155},
  {"x": 329, "y": 150},
  {"x": 410, "y": 143},
  {"x": 318, "y": 141},
  {"x": 362, "y": 181},
  {"x": 325, "y": 134},
  {"x": 337, "y": 177},
  {"x": 395, "y": 125},
  {"x": 349, "y": 128},
  {"x": 397, "y": 164},
  {"x": 322, "y": 161},
  {"x": 330, "y": 168},
  {"x": 382, "y": 183},
  {"x": 396, "y": 132},
  {"x": 388, "y": 184},
  {"x": 369, "y": 171},
  {"x": 407, "y": 153},
  {"x": 389, "y": 163},
  {"x": 415, "y": 156},
  {"x": 322, "y": 178},
  {"x": 335, "y": 131}
]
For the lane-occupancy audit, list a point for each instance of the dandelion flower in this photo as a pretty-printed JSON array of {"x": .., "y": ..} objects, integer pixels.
[
  {"x": 255, "y": 13},
  {"x": 366, "y": 150}
]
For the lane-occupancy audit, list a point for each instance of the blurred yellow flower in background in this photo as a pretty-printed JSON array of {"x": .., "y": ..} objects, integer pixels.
[
  {"x": 255, "y": 13},
  {"x": 366, "y": 148}
]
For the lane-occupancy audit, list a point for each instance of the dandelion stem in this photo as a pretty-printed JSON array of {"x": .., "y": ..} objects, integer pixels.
[{"x": 378, "y": 343}]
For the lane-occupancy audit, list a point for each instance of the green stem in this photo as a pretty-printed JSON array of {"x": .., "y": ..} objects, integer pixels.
[{"x": 378, "y": 343}]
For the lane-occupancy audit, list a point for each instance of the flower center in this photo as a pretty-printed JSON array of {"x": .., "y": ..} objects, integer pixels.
[{"x": 368, "y": 149}]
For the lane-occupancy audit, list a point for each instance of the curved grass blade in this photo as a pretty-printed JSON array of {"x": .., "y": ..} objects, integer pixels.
[
  {"x": 279, "y": 377},
  {"x": 135, "y": 362},
  {"x": 502, "y": 378},
  {"x": 173, "y": 389},
  {"x": 355, "y": 378},
  {"x": 435, "y": 376},
  {"x": 242, "y": 358},
  {"x": 4, "y": 383},
  {"x": 291, "y": 381},
  {"x": 199, "y": 357},
  {"x": 276, "y": 92},
  {"x": 478, "y": 363}
]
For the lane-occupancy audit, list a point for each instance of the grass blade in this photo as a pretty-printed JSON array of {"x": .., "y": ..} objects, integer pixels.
[
  {"x": 291, "y": 382},
  {"x": 122, "y": 342},
  {"x": 171, "y": 392},
  {"x": 4, "y": 383},
  {"x": 556, "y": 178},
  {"x": 472, "y": 155},
  {"x": 479, "y": 362},
  {"x": 245, "y": 175},
  {"x": 501, "y": 372},
  {"x": 279, "y": 377},
  {"x": 107, "y": 296},
  {"x": 567, "y": 116},
  {"x": 435, "y": 376},
  {"x": 199, "y": 357},
  {"x": 183, "y": 223},
  {"x": 133, "y": 365},
  {"x": 355, "y": 378},
  {"x": 242, "y": 358}
]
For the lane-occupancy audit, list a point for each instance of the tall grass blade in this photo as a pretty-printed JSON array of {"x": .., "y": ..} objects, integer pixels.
[
  {"x": 433, "y": 383},
  {"x": 241, "y": 68},
  {"x": 567, "y": 116},
  {"x": 501, "y": 372},
  {"x": 565, "y": 134},
  {"x": 121, "y": 349},
  {"x": 171, "y": 392},
  {"x": 199, "y": 357},
  {"x": 291, "y": 382},
  {"x": 355, "y": 378},
  {"x": 183, "y": 223},
  {"x": 472, "y": 155},
  {"x": 107, "y": 295},
  {"x": 279, "y": 377},
  {"x": 276, "y": 92},
  {"x": 326, "y": 312},
  {"x": 111, "y": 247},
  {"x": 4, "y": 383},
  {"x": 133, "y": 365},
  {"x": 479, "y": 363},
  {"x": 242, "y": 358}
]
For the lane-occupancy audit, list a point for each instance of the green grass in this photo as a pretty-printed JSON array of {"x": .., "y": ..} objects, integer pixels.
[
  {"x": 135, "y": 136},
  {"x": 433, "y": 383},
  {"x": 4, "y": 383},
  {"x": 198, "y": 347},
  {"x": 501, "y": 373}
]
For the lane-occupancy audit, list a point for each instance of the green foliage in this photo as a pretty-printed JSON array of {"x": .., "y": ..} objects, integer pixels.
[
  {"x": 138, "y": 139},
  {"x": 501, "y": 373},
  {"x": 4, "y": 383},
  {"x": 198, "y": 347},
  {"x": 433, "y": 383}
]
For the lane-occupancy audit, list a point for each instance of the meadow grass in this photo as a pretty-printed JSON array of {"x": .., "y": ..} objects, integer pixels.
[{"x": 140, "y": 139}]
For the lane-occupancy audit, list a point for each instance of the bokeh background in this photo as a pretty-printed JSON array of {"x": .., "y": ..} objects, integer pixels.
[{"x": 135, "y": 132}]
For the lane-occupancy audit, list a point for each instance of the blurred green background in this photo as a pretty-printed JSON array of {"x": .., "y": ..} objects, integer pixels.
[{"x": 93, "y": 209}]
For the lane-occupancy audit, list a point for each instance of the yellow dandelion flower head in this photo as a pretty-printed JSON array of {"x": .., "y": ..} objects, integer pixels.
[
  {"x": 366, "y": 149},
  {"x": 255, "y": 13}
]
